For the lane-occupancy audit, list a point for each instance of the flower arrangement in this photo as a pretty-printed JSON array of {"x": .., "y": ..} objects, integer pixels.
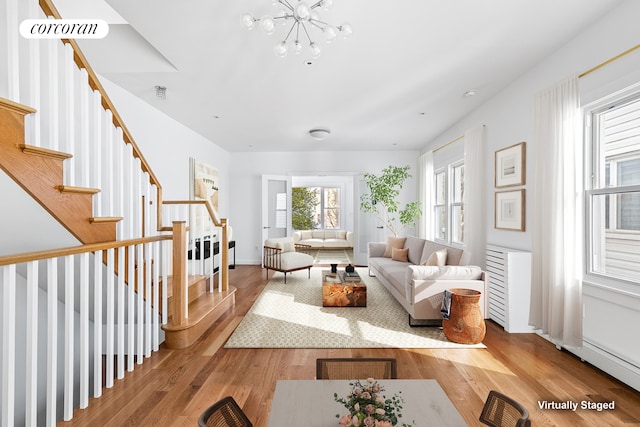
[{"x": 368, "y": 407}]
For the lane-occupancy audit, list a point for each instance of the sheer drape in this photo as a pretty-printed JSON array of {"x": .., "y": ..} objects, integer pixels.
[
  {"x": 474, "y": 195},
  {"x": 557, "y": 215},
  {"x": 426, "y": 191}
]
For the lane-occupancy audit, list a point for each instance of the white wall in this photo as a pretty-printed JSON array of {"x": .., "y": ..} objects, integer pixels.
[
  {"x": 167, "y": 146},
  {"x": 509, "y": 119},
  {"x": 246, "y": 181},
  {"x": 509, "y": 115}
]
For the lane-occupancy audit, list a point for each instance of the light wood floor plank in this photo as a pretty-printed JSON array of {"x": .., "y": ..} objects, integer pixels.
[{"x": 173, "y": 387}]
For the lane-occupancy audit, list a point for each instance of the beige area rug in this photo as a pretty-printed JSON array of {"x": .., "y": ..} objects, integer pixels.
[
  {"x": 331, "y": 256},
  {"x": 291, "y": 316}
]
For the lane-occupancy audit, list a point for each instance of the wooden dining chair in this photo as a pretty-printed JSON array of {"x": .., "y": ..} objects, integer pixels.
[
  {"x": 502, "y": 411},
  {"x": 224, "y": 413},
  {"x": 356, "y": 368}
]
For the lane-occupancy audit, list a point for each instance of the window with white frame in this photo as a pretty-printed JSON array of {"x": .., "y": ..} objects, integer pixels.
[
  {"x": 449, "y": 206},
  {"x": 613, "y": 192}
]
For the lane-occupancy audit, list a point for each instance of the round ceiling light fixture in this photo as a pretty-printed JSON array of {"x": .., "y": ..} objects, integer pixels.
[{"x": 319, "y": 134}]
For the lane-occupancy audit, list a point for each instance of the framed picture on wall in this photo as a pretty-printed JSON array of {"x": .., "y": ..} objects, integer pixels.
[
  {"x": 510, "y": 166},
  {"x": 509, "y": 210}
]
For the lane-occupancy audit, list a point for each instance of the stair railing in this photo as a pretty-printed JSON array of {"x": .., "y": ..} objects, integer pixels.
[
  {"x": 76, "y": 116},
  {"x": 106, "y": 329}
]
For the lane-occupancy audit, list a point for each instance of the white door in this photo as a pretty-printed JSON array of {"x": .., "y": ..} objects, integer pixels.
[
  {"x": 368, "y": 227},
  {"x": 276, "y": 206}
]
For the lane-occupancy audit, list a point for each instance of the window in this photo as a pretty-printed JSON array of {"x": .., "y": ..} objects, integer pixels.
[
  {"x": 613, "y": 195},
  {"x": 316, "y": 207},
  {"x": 449, "y": 207}
]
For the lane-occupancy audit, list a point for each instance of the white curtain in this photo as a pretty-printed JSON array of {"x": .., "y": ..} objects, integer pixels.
[
  {"x": 426, "y": 190},
  {"x": 556, "y": 287},
  {"x": 474, "y": 195}
]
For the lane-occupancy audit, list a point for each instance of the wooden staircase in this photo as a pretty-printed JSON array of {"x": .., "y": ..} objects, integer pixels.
[
  {"x": 39, "y": 171},
  {"x": 204, "y": 309}
]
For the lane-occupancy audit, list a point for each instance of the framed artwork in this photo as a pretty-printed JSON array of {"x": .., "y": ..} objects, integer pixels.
[
  {"x": 204, "y": 185},
  {"x": 509, "y": 210},
  {"x": 510, "y": 166}
]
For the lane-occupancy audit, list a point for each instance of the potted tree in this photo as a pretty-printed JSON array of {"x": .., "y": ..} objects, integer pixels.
[{"x": 381, "y": 199}]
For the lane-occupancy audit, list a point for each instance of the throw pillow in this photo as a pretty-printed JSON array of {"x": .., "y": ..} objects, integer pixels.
[
  {"x": 393, "y": 242},
  {"x": 400, "y": 254},
  {"x": 286, "y": 246},
  {"x": 437, "y": 258}
]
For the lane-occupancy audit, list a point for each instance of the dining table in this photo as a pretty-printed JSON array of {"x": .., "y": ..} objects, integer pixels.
[{"x": 311, "y": 403}]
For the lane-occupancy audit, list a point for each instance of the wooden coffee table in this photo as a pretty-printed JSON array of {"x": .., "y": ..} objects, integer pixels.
[{"x": 337, "y": 292}]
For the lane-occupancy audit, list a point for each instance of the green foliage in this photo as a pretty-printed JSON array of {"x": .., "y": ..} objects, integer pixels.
[
  {"x": 381, "y": 199},
  {"x": 303, "y": 204}
]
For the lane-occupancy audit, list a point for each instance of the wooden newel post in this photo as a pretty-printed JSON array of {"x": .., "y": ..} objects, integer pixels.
[
  {"x": 224, "y": 267},
  {"x": 179, "y": 299}
]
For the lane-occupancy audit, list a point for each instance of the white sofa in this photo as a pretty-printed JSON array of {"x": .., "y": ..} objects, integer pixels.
[
  {"x": 419, "y": 288},
  {"x": 324, "y": 239}
]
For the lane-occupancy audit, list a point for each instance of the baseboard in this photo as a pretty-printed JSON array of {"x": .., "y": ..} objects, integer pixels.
[{"x": 612, "y": 365}]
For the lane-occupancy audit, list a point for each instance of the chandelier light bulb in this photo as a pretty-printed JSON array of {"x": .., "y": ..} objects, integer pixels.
[
  {"x": 315, "y": 16},
  {"x": 326, "y": 4},
  {"x": 346, "y": 30},
  {"x": 330, "y": 33},
  {"x": 281, "y": 49},
  {"x": 297, "y": 47},
  {"x": 248, "y": 21},
  {"x": 302, "y": 11},
  {"x": 268, "y": 24},
  {"x": 315, "y": 50}
]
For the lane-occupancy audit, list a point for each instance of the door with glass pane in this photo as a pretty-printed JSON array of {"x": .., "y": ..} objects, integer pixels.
[{"x": 276, "y": 206}]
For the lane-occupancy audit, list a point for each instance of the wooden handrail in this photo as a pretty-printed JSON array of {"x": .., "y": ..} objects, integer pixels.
[
  {"x": 74, "y": 250},
  {"x": 49, "y": 9},
  {"x": 218, "y": 222},
  {"x": 212, "y": 212}
]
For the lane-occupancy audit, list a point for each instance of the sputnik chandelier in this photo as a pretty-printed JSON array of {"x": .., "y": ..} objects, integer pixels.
[{"x": 300, "y": 16}]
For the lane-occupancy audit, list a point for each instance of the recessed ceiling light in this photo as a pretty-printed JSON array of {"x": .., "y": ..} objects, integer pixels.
[
  {"x": 319, "y": 134},
  {"x": 470, "y": 92}
]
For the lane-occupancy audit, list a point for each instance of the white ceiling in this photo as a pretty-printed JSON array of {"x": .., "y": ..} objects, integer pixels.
[{"x": 397, "y": 83}]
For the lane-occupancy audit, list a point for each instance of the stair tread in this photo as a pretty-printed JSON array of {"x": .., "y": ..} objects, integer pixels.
[
  {"x": 72, "y": 189},
  {"x": 201, "y": 307},
  {"x": 104, "y": 219},
  {"x": 44, "y": 152}
]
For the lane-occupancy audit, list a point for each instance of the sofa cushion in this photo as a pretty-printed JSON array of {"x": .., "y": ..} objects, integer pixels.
[
  {"x": 293, "y": 260},
  {"x": 438, "y": 258},
  {"x": 400, "y": 254},
  {"x": 284, "y": 243},
  {"x": 393, "y": 242},
  {"x": 341, "y": 234},
  {"x": 393, "y": 271},
  {"x": 448, "y": 272},
  {"x": 317, "y": 234},
  {"x": 336, "y": 243},
  {"x": 330, "y": 234},
  {"x": 304, "y": 235},
  {"x": 415, "y": 246}
]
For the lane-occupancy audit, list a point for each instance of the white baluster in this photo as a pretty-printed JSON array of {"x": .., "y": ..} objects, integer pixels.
[
  {"x": 68, "y": 336},
  {"x": 51, "y": 110},
  {"x": 110, "y": 326},
  {"x": 107, "y": 156},
  {"x": 148, "y": 299},
  {"x": 31, "y": 383},
  {"x": 52, "y": 340},
  {"x": 97, "y": 324},
  {"x": 120, "y": 307},
  {"x": 156, "y": 300},
  {"x": 131, "y": 298},
  {"x": 166, "y": 251},
  {"x": 118, "y": 183},
  {"x": 32, "y": 121},
  {"x": 8, "y": 343},
  {"x": 84, "y": 141},
  {"x": 128, "y": 188},
  {"x": 84, "y": 330},
  {"x": 12, "y": 35},
  {"x": 68, "y": 87},
  {"x": 97, "y": 141},
  {"x": 139, "y": 319}
]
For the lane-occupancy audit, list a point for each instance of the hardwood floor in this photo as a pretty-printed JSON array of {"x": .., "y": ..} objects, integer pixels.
[{"x": 173, "y": 387}]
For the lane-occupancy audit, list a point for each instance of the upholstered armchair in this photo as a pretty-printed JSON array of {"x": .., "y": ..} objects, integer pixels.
[{"x": 282, "y": 254}]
